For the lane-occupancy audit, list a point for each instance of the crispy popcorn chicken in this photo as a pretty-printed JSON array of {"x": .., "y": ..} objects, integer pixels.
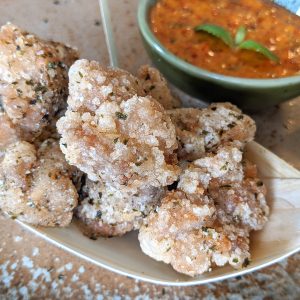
[
  {"x": 241, "y": 202},
  {"x": 33, "y": 79},
  {"x": 117, "y": 132},
  {"x": 35, "y": 184},
  {"x": 154, "y": 84},
  {"x": 225, "y": 164},
  {"x": 202, "y": 130},
  {"x": 106, "y": 211},
  {"x": 206, "y": 221},
  {"x": 184, "y": 232},
  {"x": 113, "y": 135}
]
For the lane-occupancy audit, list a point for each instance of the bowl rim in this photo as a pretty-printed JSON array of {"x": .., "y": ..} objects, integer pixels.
[{"x": 142, "y": 17}]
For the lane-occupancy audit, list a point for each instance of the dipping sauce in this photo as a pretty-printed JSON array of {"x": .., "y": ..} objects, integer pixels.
[{"x": 173, "y": 22}]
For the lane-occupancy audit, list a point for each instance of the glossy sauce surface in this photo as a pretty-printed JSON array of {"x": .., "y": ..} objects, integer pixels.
[{"x": 173, "y": 22}]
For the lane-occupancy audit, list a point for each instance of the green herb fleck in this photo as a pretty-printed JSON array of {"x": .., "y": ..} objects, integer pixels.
[
  {"x": 116, "y": 140},
  {"x": 205, "y": 229},
  {"x": 231, "y": 125},
  {"x": 40, "y": 88},
  {"x": 19, "y": 92},
  {"x": 80, "y": 74},
  {"x": 246, "y": 262},
  {"x": 29, "y": 82},
  {"x": 52, "y": 65},
  {"x": 225, "y": 166},
  {"x": 235, "y": 260},
  {"x": 213, "y": 248},
  {"x": 61, "y": 276},
  {"x": 121, "y": 116},
  {"x": 225, "y": 186}
]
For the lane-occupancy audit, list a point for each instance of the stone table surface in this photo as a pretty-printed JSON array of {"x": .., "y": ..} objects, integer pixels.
[{"x": 31, "y": 268}]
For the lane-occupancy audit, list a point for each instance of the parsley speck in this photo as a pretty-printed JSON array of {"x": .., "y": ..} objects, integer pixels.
[{"x": 121, "y": 116}]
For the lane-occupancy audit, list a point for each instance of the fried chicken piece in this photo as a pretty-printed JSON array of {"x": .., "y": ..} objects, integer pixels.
[
  {"x": 106, "y": 211},
  {"x": 36, "y": 186},
  {"x": 239, "y": 195},
  {"x": 225, "y": 165},
  {"x": 33, "y": 79},
  {"x": 241, "y": 202},
  {"x": 154, "y": 84},
  {"x": 202, "y": 130},
  {"x": 206, "y": 220},
  {"x": 183, "y": 232},
  {"x": 113, "y": 135}
]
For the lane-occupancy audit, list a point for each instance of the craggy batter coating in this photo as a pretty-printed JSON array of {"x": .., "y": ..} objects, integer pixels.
[
  {"x": 106, "y": 211},
  {"x": 35, "y": 184},
  {"x": 241, "y": 202},
  {"x": 225, "y": 164},
  {"x": 201, "y": 130},
  {"x": 206, "y": 221},
  {"x": 154, "y": 84},
  {"x": 113, "y": 135},
  {"x": 184, "y": 232},
  {"x": 33, "y": 79},
  {"x": 9, "y": 133}
]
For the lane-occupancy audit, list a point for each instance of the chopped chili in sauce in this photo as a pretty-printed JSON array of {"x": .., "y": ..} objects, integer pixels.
[{"x": 173, "y": 22}]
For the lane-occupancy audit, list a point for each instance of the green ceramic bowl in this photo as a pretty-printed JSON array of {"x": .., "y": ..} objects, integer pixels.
[{"x": 249, "y": 94}]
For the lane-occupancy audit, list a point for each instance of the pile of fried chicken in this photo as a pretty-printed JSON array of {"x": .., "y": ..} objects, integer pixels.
[{"x": 118, "y": 153}]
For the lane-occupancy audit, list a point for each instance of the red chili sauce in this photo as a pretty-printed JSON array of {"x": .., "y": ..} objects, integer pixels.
[{"x": 173, "y": 22}]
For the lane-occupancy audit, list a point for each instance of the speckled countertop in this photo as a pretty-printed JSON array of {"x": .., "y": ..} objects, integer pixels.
[{"x": 31, "y": 268}]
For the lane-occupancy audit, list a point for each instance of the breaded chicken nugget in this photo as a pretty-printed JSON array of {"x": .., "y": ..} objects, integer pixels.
[
  {"x": 202, "y": 130},
  {"x": 239, "y": 195},
  {"x": 225, "y": 164},
  {"x": 33, "y": 79},
  {"x": 106, "y": 211},
  {"x": 35, "y": 184},
  {"x": 113, "y": 135},
  {"x": 183, "y": 232},
  {"x": 241, "y": 202},
  {"x": 154, "y": 84}
]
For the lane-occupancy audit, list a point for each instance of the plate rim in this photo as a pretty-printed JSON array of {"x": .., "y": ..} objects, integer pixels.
[{"x": 132, "y": 274}]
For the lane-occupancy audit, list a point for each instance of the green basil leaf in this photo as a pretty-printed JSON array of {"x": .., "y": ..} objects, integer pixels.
[
  {"x": 216, "y": 31},
  {"x": 240, "y": 35},
  {"x": 254, "y": 46}
]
